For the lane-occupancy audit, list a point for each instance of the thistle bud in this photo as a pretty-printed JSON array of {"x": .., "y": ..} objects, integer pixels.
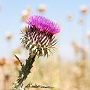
[
  {"x": 2, "y": 61},
  {"x": 83, "y": 9},
  {"x": 42, "y": 8},
  {"x": 81, "y": 20},
  {"x": 8, "y": 36},
  {"x": 15, "y": 61},
  {"x": 25, "y": 13},
  {"x": 70, "y": 16}
]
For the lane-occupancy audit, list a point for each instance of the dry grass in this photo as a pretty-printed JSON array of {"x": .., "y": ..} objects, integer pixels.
[{"x": 53, "y": 72}]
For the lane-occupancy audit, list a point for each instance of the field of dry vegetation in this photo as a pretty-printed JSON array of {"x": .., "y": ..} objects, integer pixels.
[{"x": 52, "y": 72}]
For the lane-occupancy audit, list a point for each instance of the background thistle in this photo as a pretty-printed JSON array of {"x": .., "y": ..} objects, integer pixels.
[{"x": 39, "y": 39}]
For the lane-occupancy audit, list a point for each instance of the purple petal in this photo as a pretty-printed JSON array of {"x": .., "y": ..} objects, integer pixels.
[{"x": 43, "y": 24}]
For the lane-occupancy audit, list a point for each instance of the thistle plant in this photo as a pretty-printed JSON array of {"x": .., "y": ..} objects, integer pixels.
[{"x": 39, "y": 39}]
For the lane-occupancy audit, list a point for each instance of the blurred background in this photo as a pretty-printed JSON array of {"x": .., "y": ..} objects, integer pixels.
[{"x": 68, "y": 68}]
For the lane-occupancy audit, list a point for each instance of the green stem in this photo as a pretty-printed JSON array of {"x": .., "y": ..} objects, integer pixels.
[{"x": 23, "y": 73}]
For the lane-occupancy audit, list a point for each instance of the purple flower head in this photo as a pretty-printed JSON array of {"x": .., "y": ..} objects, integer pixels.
[
  {"x": 39, "y": 37},
  {"x": 43, "y": 24}
]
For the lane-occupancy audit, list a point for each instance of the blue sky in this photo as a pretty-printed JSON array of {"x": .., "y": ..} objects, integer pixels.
[{"x": 57, "y": 10}]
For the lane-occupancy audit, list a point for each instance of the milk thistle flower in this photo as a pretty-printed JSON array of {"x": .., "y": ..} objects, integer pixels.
[{"x": 39, "y": 39}]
